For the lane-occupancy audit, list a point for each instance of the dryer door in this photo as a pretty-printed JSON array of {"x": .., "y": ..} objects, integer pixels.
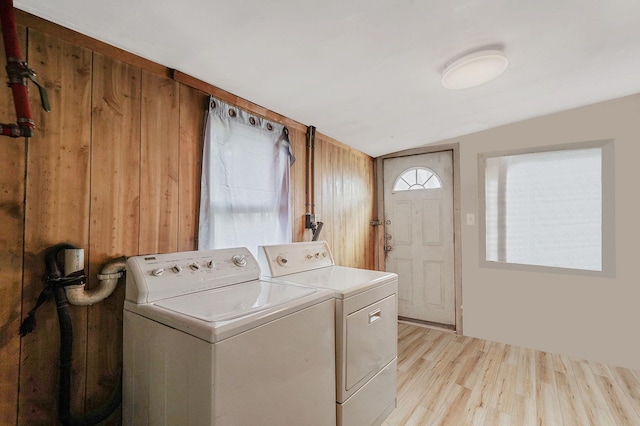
[{"x": 371, "y": 340}]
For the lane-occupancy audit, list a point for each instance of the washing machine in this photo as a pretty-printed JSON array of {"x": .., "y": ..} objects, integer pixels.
[
  {"x": 366, "y": 331},
  {"x": 206, "y": 342}
]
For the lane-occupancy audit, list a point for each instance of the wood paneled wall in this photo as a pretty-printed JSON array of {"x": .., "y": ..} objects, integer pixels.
[
  {"x": 115, "y": 168},
  {"x": 344, "y": 201}
]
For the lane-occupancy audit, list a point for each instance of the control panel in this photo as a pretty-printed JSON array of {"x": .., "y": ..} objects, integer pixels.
[
  {"x": 284, "y": 259},
  {"x": 160, "y": 276}
]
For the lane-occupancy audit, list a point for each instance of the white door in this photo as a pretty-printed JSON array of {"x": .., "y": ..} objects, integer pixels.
[{"x": 418, "y": 210}]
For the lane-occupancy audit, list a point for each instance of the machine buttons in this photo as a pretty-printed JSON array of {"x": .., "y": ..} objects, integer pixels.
[
  {"x": 176, "y": 268},
  {"x": 239, "y": 260},
  {"x": 309, "y": 256},
  {"x": 282, "y": 260},
  {"x": 211, "y": 264},
  {"x": 194, "y": 266},
  {"x": 157, "y": 272}
]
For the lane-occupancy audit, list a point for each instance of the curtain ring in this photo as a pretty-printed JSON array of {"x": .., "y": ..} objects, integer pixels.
[
  {"x": 269, "y": 126},
  {"x": 212, "y": 104},
  {"x": 252, "y": 121},
  {"x": 232, "y": 112}
]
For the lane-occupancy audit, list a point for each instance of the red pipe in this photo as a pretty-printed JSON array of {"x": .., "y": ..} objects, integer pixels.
[{"x": 17, "y": 71}]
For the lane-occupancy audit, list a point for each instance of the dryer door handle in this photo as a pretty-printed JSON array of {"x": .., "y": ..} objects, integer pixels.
[{"x": 374, "y": 315}]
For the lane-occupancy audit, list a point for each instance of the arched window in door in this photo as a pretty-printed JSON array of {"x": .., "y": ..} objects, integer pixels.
[{"x": 417, "y": 178}]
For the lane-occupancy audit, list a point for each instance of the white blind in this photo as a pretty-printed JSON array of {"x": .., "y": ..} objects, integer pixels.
[{"x": 545, "y": 208}]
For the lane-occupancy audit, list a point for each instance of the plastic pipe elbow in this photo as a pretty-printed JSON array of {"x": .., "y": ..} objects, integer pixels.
[{"x": 111, "y": 272}]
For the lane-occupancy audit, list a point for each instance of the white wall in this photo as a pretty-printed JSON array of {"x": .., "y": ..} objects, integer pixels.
[{"x": 588, "y": 317}]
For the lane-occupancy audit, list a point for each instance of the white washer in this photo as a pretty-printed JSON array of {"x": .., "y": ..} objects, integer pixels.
[
  {"x": 208, "y": 343},
  {"x": 366, "y": 325}
]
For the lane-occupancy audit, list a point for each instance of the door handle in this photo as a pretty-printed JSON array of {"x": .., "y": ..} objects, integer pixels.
[{"x": 374, "y": 315}]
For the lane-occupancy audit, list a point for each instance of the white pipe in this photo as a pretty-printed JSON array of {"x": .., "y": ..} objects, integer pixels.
[{"x": 111, "y": 272}]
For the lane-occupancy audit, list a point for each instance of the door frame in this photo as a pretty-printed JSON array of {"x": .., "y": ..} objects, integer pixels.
[{"x": 457, "y": 224}]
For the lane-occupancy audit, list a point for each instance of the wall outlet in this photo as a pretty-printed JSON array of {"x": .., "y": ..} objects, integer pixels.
[{"x": 471, "y": 219}]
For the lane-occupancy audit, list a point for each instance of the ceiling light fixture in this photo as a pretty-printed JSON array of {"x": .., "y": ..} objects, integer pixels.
[{"x": 474, "y": 69}]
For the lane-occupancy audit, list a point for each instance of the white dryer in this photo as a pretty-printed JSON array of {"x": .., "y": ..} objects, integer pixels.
[
  {"x": 366, "y": 325},
  {"x": 206, "y": 342}
]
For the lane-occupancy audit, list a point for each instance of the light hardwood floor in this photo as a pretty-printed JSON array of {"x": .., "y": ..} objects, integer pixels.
[{"x": 446, "y": 379}]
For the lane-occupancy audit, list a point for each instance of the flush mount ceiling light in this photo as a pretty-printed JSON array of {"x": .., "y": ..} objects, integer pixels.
[{"x": 474, "y": 69}]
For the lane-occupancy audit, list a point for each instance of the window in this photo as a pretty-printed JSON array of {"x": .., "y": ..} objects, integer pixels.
[
  {"x": 417, "y": 178},
  {"x": 548, "y": 208},
  {"x": 245, "y": 180}
]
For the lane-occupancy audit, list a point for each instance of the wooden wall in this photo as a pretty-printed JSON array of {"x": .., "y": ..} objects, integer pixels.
[
  {"x": 115, "y": 168},
  {"x": 344, "y": 201}
]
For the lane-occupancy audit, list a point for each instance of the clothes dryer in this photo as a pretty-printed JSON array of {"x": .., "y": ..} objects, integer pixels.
[{"x": 366, "y": 325}]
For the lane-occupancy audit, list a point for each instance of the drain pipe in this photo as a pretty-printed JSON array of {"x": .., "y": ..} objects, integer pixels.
[
  {"x": 74, "y": 260},
  {"x": 310, "y": 201},
  {"x": 309, "y": 177},
  {"x": 78, "y": 294}
]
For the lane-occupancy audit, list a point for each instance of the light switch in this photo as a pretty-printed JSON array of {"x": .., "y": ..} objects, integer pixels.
[{"x": 471, "y": 219}]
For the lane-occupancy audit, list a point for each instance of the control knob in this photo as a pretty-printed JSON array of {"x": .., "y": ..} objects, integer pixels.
[
  {"x": 157, "y": 272},
  {"x": 282, "y": 260},
  {"x": 194, "y": 266},
  {"x": 240, "y": 260}
]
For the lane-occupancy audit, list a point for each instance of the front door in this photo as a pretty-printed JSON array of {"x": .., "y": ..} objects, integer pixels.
[{"x": 418, "y": 211}]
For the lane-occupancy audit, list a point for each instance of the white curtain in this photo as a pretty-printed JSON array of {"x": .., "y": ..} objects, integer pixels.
[{"x": 245, "y": 180}]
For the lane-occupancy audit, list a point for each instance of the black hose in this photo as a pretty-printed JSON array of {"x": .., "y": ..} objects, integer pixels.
[
  {"x": 66, "y": 348},
  {"x": 317, "y": 230}
]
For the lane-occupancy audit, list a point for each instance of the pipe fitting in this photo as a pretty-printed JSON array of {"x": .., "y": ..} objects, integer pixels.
[{"x": 111, "y": 272}]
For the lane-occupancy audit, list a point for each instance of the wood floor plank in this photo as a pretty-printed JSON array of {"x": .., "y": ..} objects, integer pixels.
[
  {"x": 441, "y": 384},
  {"x": 630, "y": 385},
  {"x": 482, "y": 388},
  {"x": 475, "y": 368},
  {"x": 525, "y": 377},
  {"x": 561, "y": 363},
  {"x": 544, "y": 367},
  {"x": 470, "y": 367},
  {"x": 547, "y": 404},
  {"x": 523, "y": 411},
  {"x": 504, "y": 391},
  {"x": 619, "y": 406},
  {"x": 593, "y": 399},
  {"x": 600, "y": 369},
  {"x": 571, "y": 404},
  {"x": 447, "y": 411},
  {"x": 512, "y": 355},
  {"x": 445, "y": 379}
]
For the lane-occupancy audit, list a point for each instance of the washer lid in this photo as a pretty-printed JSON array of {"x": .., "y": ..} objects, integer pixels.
[
  {"x": 342, "y": 280},
  {"x": 246, "y": 306},
  {"x": 227, "y": 303}
]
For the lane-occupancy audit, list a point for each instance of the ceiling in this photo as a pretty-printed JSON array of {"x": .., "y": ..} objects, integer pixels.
[{"x": 367, "y": 73}]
